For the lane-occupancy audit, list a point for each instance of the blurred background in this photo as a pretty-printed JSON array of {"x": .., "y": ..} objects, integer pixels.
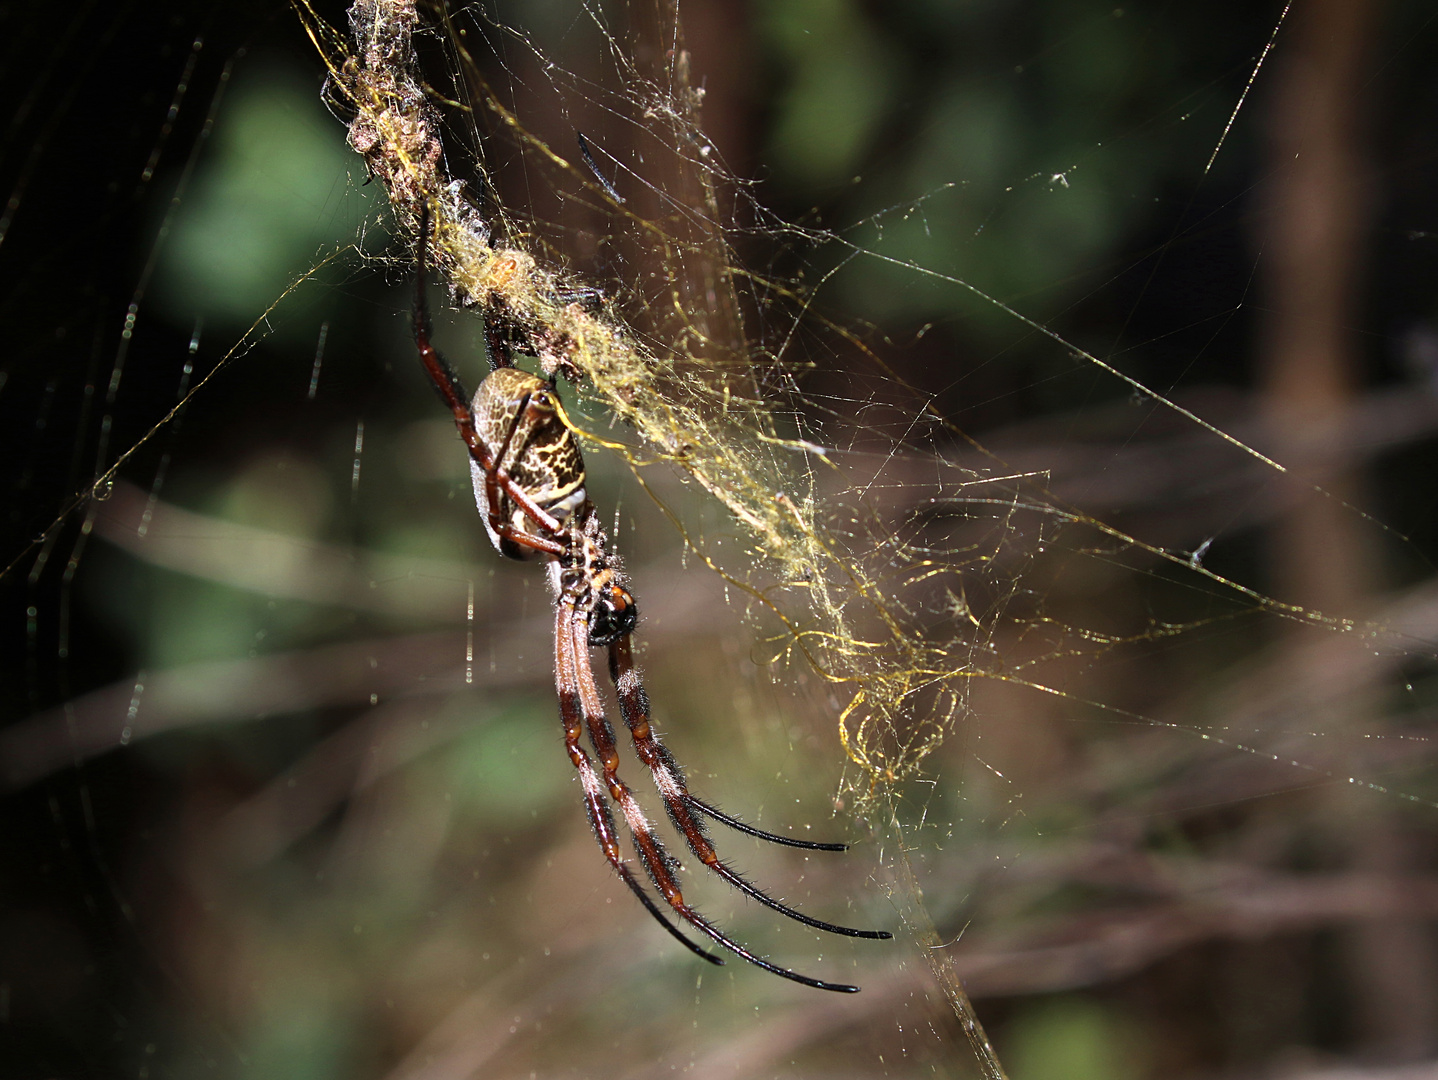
[{"x": 285, "y": 793}]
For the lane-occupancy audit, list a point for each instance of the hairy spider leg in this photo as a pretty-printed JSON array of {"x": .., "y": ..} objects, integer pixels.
[
  {"x": 571, "y": 712},
  {"x": 498, "y": 477},
  {"x": 696, "y": 803},
  {"x": 669, "y": 779},
  {"x": 604, "y": 181},
  {"x": 492, "y": 476},
  {"x": 659, "y": 863},
  {"x": 451, "y": 390}
]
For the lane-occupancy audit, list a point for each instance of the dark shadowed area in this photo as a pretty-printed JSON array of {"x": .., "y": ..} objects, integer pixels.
[{"x": 1105, "y": 342}]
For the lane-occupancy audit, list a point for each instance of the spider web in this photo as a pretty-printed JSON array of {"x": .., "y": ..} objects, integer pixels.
[{"x": 1009, "y": 469}]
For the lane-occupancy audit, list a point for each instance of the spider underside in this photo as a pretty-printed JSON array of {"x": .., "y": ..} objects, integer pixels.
[{"x": 529, "y": 486}]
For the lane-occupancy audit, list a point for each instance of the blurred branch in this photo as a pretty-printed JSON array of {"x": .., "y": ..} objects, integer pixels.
[
  {"x": 1213, "y": 901},
  {"x": 346, "y": 675},
  {"x": 217, "y": 691},
  {"x": 348, "y": 762},
  {"x": 1193, "y": 482},
  {"x": 275, "y": 564}
]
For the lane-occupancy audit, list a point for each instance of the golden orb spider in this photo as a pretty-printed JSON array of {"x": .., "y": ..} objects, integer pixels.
[{"x": 529, "y": 486}]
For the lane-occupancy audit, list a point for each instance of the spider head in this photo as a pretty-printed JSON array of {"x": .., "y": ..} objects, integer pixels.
[{"x": 614, "y": 614}]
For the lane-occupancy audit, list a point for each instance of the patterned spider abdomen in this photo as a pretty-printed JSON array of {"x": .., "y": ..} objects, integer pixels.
[{"x": 516, "y": 415}]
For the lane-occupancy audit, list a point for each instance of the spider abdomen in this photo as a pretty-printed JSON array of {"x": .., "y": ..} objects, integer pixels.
[{"x": 517, "y": 417}]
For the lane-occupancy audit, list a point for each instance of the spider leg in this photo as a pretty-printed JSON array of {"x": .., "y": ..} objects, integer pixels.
[
  {"x": 451, "y": 390},
  {"x": 444, "y": 377},
  {"x": 660, "y": 864},
  {"x": 498, "y": 478},
  {"x": 669, "y": 779},
  {"x": 737, "y": 825},
  {"x": 494, "y": 477},
  {"x": 600, "y": 817}
]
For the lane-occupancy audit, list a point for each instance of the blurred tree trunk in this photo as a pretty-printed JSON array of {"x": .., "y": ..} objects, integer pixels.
[{"x": 1313, "y": 247}]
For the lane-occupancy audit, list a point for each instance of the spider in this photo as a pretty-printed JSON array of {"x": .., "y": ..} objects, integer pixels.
[{"x": 529, "y": 486}]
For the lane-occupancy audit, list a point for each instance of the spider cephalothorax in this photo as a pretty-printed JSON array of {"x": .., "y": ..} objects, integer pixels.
[
  {"x": 529, "y": 487},
  {"x": 592, "y": 582}
]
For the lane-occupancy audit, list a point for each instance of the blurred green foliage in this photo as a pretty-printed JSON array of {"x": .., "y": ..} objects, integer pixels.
[
  {"x": 275, "y": 190},
  {"x": 1016, "y": 177},
  {"x": 838, "y": 80},
  {"x": 1072, "y": 1039}
]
